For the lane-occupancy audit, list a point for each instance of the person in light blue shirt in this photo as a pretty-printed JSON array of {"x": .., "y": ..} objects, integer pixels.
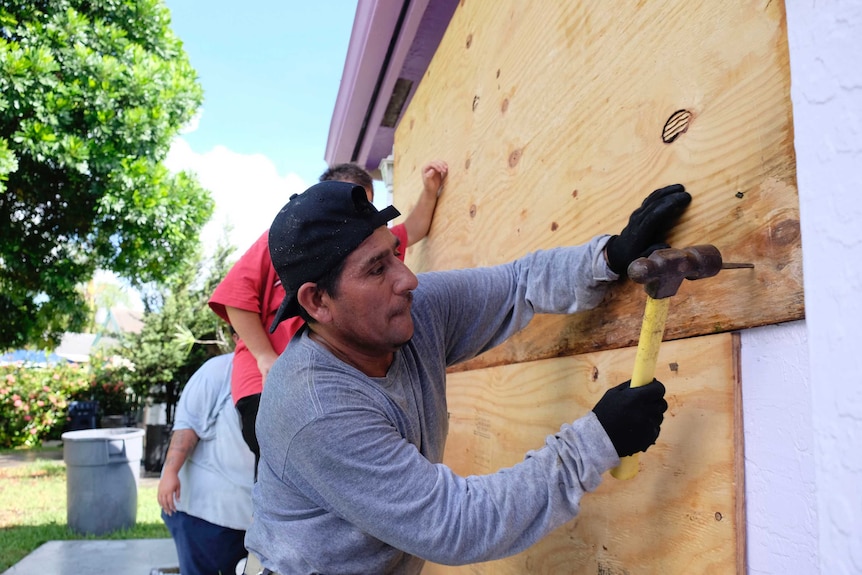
[
  {"x": 207, "y": 477},
  {"x": 353, "y": 417}
]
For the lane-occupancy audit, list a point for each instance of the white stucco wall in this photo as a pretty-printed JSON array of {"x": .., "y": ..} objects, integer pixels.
[
  {"x": 802, "y": 382},
  {"x": 780, "y": 481}
]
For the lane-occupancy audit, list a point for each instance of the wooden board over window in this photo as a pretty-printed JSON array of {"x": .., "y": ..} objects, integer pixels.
[
  {"x": 682, "y": 513},
  {"x": 558, "y": 118}
]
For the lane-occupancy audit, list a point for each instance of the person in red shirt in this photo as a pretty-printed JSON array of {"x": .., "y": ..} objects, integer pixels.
[{"x": 251, "y": 292}]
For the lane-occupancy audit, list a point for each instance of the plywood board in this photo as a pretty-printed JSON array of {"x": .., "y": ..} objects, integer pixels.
[
  {"x": 681, "y": 514},
  {"x": 552, "y": 115}
]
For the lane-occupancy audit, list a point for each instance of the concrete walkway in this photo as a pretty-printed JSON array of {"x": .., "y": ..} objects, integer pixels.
[{"x": 129, "y": 557}]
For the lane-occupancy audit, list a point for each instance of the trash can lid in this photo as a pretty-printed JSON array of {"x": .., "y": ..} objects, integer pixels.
[{"x": 102, "y": 434}]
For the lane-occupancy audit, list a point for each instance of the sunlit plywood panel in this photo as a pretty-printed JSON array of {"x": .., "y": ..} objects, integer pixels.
[
  {"x": 558, "y": 118},
  {"x": 682, "y": 513}
]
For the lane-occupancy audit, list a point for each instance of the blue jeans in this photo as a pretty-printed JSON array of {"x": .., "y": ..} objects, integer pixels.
[{"x": 204, "y": 548}]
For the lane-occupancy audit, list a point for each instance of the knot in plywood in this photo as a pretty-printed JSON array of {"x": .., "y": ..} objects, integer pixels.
[{"x": 676, "y": 125}]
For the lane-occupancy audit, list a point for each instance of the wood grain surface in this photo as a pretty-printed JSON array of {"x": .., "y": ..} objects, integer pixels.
[
  {"x": 682, "y": 514},
  {"x": 552, "y": 117}
]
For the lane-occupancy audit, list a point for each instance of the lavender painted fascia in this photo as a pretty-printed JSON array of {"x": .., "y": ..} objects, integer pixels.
[
  {"x": 373, "y": 26},
  {"x": 420, "y": 34},
  {"x": 424, "y": 26}
]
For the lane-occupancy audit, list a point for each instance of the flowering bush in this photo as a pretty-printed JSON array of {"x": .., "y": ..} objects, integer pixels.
[
  {"x": 107, "y": 385},
  {"x": 34, "y": 401}
]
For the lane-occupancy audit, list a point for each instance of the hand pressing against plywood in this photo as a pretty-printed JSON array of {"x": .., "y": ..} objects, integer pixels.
[
  {"x": 647, "y": 227},
  {"x": 632, "y": 416},
  {"x": 418, "y": 222}
]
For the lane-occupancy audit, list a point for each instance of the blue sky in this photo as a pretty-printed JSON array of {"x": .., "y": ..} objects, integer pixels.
[{"x": 270, "y": 70}]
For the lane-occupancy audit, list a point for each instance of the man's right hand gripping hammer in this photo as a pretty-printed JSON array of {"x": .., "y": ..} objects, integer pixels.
[
  {"x": 632, "y": 416},
  {"x": 644, "y": 233}
]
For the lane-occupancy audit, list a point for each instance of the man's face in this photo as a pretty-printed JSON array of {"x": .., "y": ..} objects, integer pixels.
[{"x": 371, "y": 312}]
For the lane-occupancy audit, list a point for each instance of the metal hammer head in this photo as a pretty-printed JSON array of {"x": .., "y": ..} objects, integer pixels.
[{"x": 663, "y": 271}]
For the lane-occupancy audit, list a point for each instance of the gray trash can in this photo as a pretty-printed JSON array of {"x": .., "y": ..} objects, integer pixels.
[{"x": 102, "y": 471}]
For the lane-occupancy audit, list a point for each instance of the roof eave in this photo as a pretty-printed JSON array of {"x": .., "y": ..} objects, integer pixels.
[{"x": 391, "y": 39}]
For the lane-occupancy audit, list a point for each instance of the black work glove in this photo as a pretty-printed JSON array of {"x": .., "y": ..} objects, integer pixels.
[
  {"x": 632, "y": 416},
  {"x": 647, "y": 227}
]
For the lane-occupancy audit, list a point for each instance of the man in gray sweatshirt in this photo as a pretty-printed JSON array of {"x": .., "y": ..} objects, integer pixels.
[{"x": 353, "y": 418}]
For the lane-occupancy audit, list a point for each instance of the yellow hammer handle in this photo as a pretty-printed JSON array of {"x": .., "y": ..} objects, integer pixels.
[{"x": 652, "y": 331}]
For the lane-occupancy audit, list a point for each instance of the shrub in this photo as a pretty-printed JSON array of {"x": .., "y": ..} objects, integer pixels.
[
  {"x": 34, "y": 401},
  {"x": 108, "y": 385}
]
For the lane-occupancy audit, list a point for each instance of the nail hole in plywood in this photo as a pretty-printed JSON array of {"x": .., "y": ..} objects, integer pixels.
[
  {"x": 514, "y": 158},
  {"x": 676, "y": 125}
]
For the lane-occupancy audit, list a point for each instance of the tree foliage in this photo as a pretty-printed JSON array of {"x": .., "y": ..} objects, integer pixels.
[
  {"x": 91, "y": 94},
  {"x": 153, "y": 365},
  {"x": 165, "y": 354}
]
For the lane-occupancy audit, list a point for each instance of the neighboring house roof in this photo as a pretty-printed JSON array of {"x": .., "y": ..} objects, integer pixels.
[
  {"x": 122, "y": 320},
  {"x": 78, "y": 347},
  {"x": 391, "y": 45}
]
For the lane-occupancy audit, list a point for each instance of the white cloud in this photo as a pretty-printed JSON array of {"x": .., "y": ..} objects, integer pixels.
[
  {"x": 247, "y": 189},
  {"x": 193, "y": 124}
]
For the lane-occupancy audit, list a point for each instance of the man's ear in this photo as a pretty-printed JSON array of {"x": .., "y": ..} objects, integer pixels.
[{"x": 311, "y": 298}]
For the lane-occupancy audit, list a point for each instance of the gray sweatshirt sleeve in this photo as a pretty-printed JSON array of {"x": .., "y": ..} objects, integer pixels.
[
  {"x": 558, "y": 281},
  {"x": 359, "y": 467}
]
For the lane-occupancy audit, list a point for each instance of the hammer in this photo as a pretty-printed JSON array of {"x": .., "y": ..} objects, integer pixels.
[{"x": 661, "y": 275}]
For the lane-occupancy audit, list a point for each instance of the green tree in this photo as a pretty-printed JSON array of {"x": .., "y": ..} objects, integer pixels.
[
  {"x": 180, "y": 331},
  {"x": 91, "y": 94}
]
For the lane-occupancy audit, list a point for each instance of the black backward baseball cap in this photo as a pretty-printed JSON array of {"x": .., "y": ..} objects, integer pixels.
[{"x": 315, "y": 231}]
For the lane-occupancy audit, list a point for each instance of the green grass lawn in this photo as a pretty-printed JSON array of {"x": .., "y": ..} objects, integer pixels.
[{"x": 33, "y": 511}]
